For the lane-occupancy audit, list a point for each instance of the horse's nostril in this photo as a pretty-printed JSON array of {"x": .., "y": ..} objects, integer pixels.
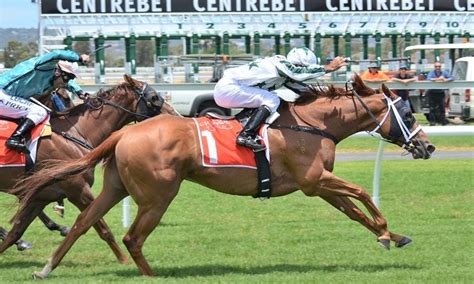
[{"x": 431, "y": 148}]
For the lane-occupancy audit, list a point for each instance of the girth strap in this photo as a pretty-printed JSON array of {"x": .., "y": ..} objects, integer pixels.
[
  {"x": 77, "y": 140},
  {"x": 307, "y": 129},
  {"x": 264, "y": 175}
]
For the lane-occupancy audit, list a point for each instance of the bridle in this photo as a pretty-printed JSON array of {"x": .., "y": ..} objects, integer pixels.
[
  {"x": 152, "y": 104},
  {"x": 399, "y": 132}
]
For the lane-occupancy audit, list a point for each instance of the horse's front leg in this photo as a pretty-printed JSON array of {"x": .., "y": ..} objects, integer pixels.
[
  {"x": 346, "y": 206},
  {"x": 331, "y": 185}
]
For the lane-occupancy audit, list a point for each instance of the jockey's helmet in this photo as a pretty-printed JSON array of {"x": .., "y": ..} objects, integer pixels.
[
  {"x": 69, "y": 67},
  {"x": 301, "y": 56},
  {"x": 374, "y": 65}
]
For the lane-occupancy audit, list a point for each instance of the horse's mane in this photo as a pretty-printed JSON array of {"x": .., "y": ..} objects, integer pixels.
[
  {"x": 333, "y": 92},
  {"x": 95, "y": 100},
  {"x": 316, "y": 91}
]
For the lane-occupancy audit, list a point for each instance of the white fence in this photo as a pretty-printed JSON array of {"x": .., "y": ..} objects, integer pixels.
[{"x": 461, "y": 130}]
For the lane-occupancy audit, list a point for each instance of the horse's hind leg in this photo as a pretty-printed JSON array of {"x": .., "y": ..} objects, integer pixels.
[
  {"x": 21, "y": 245},
  {"x": 110, "y": 195},
  {"x": 52, "y": 226},
  {"x": 3, "y": 233},
  {"x": 26, "y": 216}
]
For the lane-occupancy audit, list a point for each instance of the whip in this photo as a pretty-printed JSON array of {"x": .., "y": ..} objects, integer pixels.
[{"x": 93, "y": 52}]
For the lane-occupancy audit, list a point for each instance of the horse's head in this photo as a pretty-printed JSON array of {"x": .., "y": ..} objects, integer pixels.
[
  {"x": 396, "y": 123},
  {"x": 402, "y": 128},
  {"x": 149, "y": 102}
]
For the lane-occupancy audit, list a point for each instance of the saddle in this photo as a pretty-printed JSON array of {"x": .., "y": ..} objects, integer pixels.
[
  {"x": 11, "y": 158},
  {"x": 218, "y": 147}
]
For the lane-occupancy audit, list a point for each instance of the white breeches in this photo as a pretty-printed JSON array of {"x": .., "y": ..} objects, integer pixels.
[
  {"x": 16, "y": 107},
  {"x": 230, "y": 94}
]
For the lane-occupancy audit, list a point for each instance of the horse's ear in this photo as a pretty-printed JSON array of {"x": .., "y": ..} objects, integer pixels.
[
  {"x": 131, "y": 81},
  {"x": 357, "y": 82},
  {"x": 386, "y": 91},
  {"x": 359, "y": 85}
]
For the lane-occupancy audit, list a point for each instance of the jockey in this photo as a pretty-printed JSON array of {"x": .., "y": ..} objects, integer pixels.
[
  {"x": 251, "y": 86},
  {"x": 34, "y": 77}
]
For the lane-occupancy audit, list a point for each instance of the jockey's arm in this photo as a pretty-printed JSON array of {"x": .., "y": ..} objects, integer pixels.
[
  {"x": 67, "y": 55},
  {"x": 74, "y": 88},
  {"x": 300, "y": 73},
  {"x": 297, "y": 87}
]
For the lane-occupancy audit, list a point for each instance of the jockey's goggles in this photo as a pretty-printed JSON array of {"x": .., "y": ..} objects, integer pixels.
[{"x": 67, "y": 76}]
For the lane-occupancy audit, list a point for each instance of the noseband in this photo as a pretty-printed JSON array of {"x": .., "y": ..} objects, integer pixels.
[
  {"x": 401, "y": 130},
  {"x": 152, "y": 104}
]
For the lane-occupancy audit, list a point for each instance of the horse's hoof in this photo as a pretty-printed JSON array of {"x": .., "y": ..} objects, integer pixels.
[
  {"x": 403, "y": 242},
  {"x": 23, "y": 245},
  {"x": 384, "y": 243},
  {"x": 37, "y": 276},
  {"x": 64, "y": 231}
]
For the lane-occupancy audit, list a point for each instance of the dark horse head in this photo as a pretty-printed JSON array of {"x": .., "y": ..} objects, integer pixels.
[{"x": 147, "y": 102}]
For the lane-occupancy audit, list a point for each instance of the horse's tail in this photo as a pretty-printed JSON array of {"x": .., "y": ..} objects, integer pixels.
[{"x": 53, "y": 171}]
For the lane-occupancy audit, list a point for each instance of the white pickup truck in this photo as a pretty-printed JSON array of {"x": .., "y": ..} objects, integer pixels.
[
  {"x": 461, "y": 101},
  {"x": 193, "y": 103},
  {"x": 197, "y": 103}
]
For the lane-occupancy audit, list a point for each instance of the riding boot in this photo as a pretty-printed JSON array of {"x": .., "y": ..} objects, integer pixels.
[
  {"x": 17, "y": 140},
  {"x": 248, "y": 136}
]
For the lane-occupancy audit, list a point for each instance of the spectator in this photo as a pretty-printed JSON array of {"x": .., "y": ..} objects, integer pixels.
[
  {"x": 373, "y": 75},
  {"x": 436, "y": 97},
  {"x": 404, "y": 77}
]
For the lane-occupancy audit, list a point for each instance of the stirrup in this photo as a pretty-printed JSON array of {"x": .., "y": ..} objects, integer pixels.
[
  {"x": 250, "y": 142},
  {"x": 18, "y": 146}
]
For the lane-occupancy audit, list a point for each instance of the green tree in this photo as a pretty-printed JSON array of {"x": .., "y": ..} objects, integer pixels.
[
  {"x": 145, "y": 53},
  {"x": 16, "y": 52},
  {"x": 82, "y": 47}
]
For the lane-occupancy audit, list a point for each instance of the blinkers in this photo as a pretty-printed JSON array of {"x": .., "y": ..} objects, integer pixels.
[
  {"x": 149, "y": 102},
  {"x": 406, "y": 117}
]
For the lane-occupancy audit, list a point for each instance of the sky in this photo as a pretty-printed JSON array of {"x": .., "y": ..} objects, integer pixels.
[{"x": 18, "y": 14}]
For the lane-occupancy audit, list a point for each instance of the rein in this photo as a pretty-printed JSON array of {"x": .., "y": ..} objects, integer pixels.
[
  {"x": 110, "y": 103},
  {"x": 307, "y": 129},
  {"x": 103, "y": 101},
  {"x": 407, "y": 134}
]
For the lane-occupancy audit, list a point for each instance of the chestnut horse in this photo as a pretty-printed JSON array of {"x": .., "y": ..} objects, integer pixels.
[
  {"x": 169, "y": 152},
  {"x": 75, "y": 132}
]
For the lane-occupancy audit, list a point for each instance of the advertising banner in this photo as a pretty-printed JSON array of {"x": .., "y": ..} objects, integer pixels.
[{"x": 51, "y": 7}]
